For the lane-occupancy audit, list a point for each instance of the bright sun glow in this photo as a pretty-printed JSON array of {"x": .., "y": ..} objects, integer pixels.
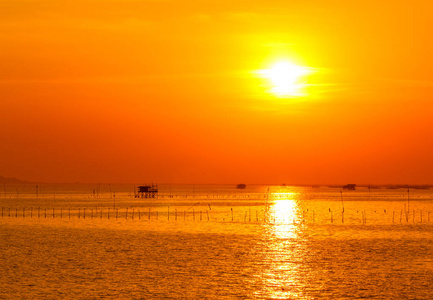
[{"x": 285, "y": 78}]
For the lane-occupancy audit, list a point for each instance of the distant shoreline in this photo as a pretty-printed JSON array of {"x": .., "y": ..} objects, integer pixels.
[{"x": 13, "y": 181}]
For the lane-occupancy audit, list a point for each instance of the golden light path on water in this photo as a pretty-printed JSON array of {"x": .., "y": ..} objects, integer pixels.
[
  {"x": 282, "y": 277},
  {"x": 283, "y": 211}
]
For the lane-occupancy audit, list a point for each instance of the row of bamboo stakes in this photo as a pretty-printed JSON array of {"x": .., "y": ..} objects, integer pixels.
[
  {"x": 404, "y": 215},
  {"x": 6, "y": 212}
]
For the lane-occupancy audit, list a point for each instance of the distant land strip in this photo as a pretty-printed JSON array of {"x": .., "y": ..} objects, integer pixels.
[{"x": 4, "y": 180}]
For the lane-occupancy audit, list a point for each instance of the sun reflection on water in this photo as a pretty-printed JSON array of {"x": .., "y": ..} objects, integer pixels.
[
  {"x": 284, "y": 218},
  {"x": 283, "y": 213},
  {"x": 282, "y": 248}
]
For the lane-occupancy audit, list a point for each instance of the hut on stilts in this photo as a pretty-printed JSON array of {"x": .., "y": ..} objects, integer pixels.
[{"x": 147, "y": 191}]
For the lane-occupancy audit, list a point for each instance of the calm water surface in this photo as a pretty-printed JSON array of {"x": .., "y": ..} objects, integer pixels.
[{"x": 215, "y": 242}]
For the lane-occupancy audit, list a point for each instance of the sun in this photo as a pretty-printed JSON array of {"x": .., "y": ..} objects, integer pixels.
[{"x": 285, "y": 78}]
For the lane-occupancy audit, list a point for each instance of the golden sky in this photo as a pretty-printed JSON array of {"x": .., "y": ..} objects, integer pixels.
[{"x": 170, "y": 91}]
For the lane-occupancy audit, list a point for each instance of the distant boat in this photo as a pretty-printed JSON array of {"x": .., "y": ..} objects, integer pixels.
[
  {"x": 420, "y": 187},
  {"x": 350, "y": 186},
  {"x": 392, "y": 187},
  {"x": 372, "y": 187},
  {"x": 241, "y": 186}
]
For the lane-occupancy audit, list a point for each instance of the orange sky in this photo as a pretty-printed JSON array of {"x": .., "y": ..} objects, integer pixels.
[{"x": 167, "y": 91}]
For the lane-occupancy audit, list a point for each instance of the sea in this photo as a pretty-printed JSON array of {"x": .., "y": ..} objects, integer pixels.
[{"x": 101, "y": 241}]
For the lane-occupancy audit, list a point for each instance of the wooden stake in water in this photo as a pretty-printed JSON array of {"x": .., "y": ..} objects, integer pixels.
[
  {"x": 133, "y": 214},
  {"x": 84, "y": 213},
  {"x": 207, "y": 212},
  {"x": 232, "y": 213},
  {"x": 408, "y": 200},
  {"x": 24, "y": 213},
  {"x": 79, "y": 213},
  {"x": 45, "y": 213}
]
